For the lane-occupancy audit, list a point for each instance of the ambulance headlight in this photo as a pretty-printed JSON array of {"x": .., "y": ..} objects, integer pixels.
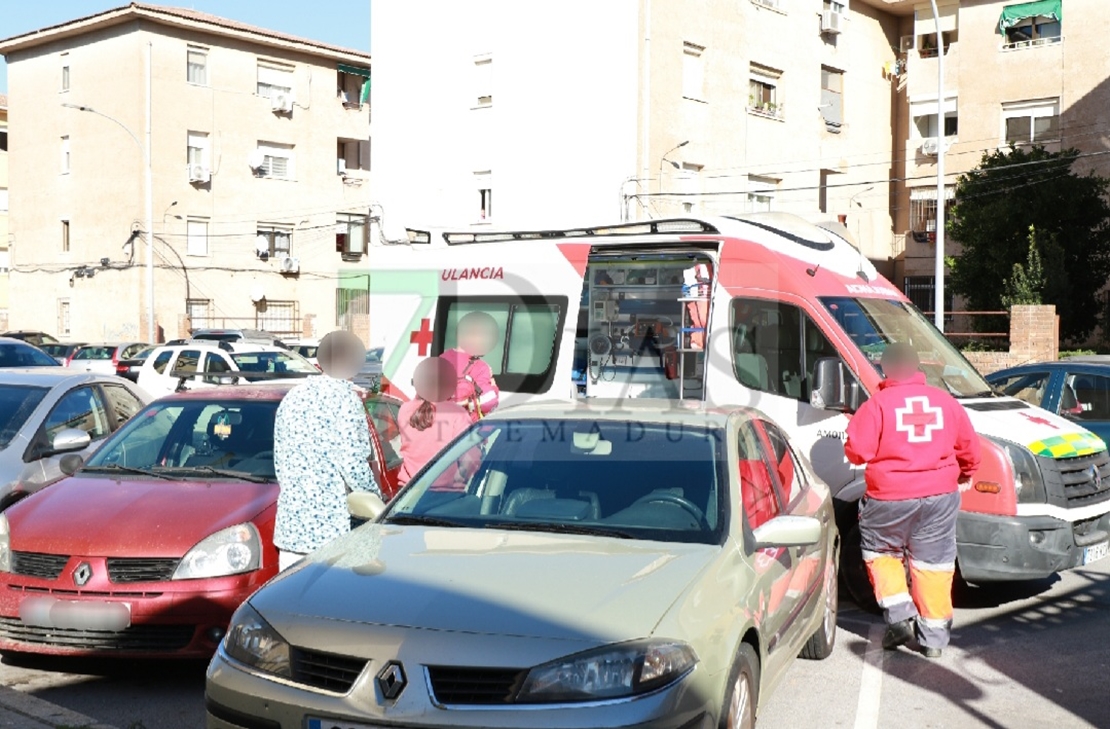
[{"x": 1028, "y": 482}]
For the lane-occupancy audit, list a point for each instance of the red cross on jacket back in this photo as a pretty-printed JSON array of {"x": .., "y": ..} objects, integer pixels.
[{"x": 916, "y": 440}]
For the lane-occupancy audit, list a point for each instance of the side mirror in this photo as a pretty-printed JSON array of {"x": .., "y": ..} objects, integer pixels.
[
  {"x": 788, "y": 531},
  {"x": 69, "y": 440},
  {"x": 365, "y": 505},
  {"x": 834, "y": 387},
  {"x": 71, "y": 463}
]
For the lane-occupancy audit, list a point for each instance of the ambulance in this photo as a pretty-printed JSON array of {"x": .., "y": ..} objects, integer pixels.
[{"x": 766, "y": 310}]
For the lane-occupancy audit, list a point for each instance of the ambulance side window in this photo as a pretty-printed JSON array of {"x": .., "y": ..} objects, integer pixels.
[
  {"x": 775, "y": 347},
  {"x": 529, "y": 328}
]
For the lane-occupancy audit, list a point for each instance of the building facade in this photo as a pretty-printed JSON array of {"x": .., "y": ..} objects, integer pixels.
[
  {"x": 576, "y": 113},
  {"x": 259, "y": 156},
  {"x": 4, "y": 259},
  {"x": 1015, "y": 73}
]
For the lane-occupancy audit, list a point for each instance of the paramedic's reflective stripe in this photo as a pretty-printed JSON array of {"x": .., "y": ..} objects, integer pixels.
[
  {"x": 933, "y": 566},
  {"x": 1068, "y": 446},
  {"x": 893, "y": 600},
  {"x": 934, "y": 622}
]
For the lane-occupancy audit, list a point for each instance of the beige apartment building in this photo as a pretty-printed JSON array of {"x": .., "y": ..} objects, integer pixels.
[
  {"x": 1015, "y": 73},
  {"x": 4, "y": 259},
  {"x": 259, "y": 172}
]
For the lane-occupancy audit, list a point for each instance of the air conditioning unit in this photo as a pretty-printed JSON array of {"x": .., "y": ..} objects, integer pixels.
[
  {"x": 282, "y": 102},
  {"x": 831, "y": 22},
  {"x": 341, "y": 166},
  {"x": 930, "y": 147},
  {"x": 909, "y": 42},
  {"x": 199, "y": 173},
  {"x": 290, "y": 265}
]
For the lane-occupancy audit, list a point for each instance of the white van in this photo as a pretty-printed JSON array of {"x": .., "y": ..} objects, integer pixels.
[{"x": 796, "y": 322}]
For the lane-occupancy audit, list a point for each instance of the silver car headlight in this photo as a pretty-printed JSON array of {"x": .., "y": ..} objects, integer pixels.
[
  {"x": 230, "y": 551},
  {"x": 1028, "y": 481},
  {"x": 253, "y": 642},
  {"x": 5, "y": 545},
  {"x": 611, "y": 672}
]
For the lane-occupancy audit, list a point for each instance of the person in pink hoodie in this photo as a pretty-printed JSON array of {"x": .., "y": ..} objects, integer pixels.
[
  {"x": 476, "y": 390},
  {"x": 921, "y": 452},
  {"x": 430, "y": 421}
]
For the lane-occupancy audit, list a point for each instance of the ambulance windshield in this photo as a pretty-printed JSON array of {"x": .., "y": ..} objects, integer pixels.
[{"x": 874, "y": 323}]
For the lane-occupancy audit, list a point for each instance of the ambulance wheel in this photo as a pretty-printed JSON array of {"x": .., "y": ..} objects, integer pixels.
[
  {"x": 854, "y": 572},
  {"x": 820, "y": 644},
  {"x": 743, "y": 691}
]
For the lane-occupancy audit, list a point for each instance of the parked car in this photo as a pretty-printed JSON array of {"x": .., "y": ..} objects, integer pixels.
[
  {"x": 103, "y": 358},
  {"x": 306, "y": 348},
  {"x": 50, "y": 411},
  {"x": 1076, "y": 388},
  {"x": 256, "y": 336},
  {"x": 602, "y": 564},
  {"x": 31, "y": 337},
  {"x": 209, "y": 363},
  {"x": 129, "y": 368},
  {"x": 370, "y": 375},
  {"x": 194, "y": 474},
  {"x": 61, "y": 351},
  {"x": 17, "y": 353}
]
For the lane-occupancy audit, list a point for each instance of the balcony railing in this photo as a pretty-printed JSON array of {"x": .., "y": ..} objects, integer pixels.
[{"x": 1032, "y": 43}]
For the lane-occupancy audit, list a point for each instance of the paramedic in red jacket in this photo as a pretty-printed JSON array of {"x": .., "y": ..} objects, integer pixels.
[
  {"x": 921, "y": 452},
  {"x": 477, "y": 335}
]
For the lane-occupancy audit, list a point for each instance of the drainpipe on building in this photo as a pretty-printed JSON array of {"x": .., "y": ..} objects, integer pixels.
[
  {"x": 149, "y": 207},
  {"x": 938, "y": 285}
]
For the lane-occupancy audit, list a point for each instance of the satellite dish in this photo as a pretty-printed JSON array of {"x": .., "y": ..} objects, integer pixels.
[
  {"x": 257, "y": 294},
  {"x": 256, "y": 159}
]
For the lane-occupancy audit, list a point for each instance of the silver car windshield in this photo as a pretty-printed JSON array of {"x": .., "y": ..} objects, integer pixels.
[
  {"x": 662, "y": 482},
  {"x": 874, "y": 323},
  {"x": 17, "y": 402},
  {"x": 276, "y": 362}
]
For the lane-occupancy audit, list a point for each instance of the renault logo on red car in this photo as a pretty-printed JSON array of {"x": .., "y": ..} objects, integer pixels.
[{"x": 82, "y": 574}]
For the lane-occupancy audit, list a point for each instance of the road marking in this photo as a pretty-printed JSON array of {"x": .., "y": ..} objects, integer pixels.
[{"x": 871, "y": 681}]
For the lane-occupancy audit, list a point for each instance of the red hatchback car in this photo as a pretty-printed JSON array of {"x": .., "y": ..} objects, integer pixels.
[{"x": 154, "y": 543}]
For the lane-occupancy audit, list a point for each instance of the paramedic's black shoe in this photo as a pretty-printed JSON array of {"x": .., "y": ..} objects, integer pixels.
[
  {"x": 931, "y": 652},
  {"x": 897, "y": 634}
]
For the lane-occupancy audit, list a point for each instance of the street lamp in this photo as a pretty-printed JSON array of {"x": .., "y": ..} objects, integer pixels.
[
  {"x": 145, "y": 150},
  {"x": 938, "y": 266},
  {"x": 674, "y": 164}
]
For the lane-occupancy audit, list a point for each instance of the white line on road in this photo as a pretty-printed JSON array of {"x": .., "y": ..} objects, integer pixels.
[{"x": 871, "y": 682}]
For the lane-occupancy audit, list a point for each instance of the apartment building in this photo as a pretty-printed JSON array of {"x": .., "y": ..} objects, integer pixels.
[
  {"x": 4, "y": 259},
  {"x": 1015, "y": 73},
  {"x": 532, "y": 116},
  {"x": 259, "y": 181}
]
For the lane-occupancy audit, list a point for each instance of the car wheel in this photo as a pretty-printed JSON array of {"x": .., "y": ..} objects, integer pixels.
[
  {"x": 743, "y": 691},
  {"x": 820, "y": 644},
  {"x": 854, "y": 571}
]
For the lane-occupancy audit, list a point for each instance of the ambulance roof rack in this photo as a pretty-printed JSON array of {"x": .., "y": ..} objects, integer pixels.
[{"x": 647, "y": 227}]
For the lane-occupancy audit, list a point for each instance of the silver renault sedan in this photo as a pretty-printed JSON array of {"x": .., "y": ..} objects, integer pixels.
[{"x": 600, "y": 564}]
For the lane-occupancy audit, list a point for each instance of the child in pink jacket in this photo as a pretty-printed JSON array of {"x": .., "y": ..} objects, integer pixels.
[
  {"x": 431, "y": 420},
  {"x": 476, "y": 390}
]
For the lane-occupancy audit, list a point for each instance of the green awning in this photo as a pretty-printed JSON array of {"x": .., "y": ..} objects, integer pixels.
[
  {"x": 364, "y": 97},
  {"x": 1014, "y": 14},
  {"x": 344, "y": 68}
]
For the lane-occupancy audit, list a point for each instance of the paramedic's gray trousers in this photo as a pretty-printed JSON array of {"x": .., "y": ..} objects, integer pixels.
[{"x": 924, "y": 531}]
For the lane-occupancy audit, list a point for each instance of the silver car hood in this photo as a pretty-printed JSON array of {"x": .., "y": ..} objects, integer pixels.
[{"x": 487, "y": 582}]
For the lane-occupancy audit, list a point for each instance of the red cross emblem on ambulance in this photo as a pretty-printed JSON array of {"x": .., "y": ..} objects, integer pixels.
[{"x": 918, "y": 419}]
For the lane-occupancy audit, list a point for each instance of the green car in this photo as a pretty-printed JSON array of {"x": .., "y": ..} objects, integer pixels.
[{"x": 600, "y": 564}]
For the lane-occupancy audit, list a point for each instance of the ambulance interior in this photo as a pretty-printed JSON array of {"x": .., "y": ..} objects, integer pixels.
[{"x": 642, "y": 325}]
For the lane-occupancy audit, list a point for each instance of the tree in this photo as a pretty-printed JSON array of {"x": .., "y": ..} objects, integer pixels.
[
  {"x": 998, "y": 202},
  {"x": 1026, "y": 283}
]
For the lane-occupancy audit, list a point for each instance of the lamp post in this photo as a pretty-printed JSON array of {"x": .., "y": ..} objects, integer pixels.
[
  {"x": 938, "y": 272},
  {"x": 145, "y": 150},
  {"x": 663, "y": 159}
]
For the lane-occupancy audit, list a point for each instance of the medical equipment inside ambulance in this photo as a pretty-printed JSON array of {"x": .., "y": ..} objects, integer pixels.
[{"x": 643, "y": 326}]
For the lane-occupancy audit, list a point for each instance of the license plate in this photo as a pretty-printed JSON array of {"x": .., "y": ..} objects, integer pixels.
[
  {"x": 1095, "y": 552},
  {"x": 49, "y": 612},
  {"x": 314, "y": 723}
]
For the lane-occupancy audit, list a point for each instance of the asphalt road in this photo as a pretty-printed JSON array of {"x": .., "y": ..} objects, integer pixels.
[{"x": 1031, "y": 655}]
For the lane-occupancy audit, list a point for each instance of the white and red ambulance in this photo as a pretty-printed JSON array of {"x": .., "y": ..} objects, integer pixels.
[{"x": 766, "y": 310}]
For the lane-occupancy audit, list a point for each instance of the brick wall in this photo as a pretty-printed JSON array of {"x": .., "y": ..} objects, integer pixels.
[{"x": 1034, "y": 337}]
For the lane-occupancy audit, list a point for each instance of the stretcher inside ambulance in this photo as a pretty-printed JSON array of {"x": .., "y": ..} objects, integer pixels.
[{"x": 764, "y": 310}]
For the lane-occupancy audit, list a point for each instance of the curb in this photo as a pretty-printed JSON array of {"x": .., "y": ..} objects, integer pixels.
[{"x": 45, "y": 712}]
